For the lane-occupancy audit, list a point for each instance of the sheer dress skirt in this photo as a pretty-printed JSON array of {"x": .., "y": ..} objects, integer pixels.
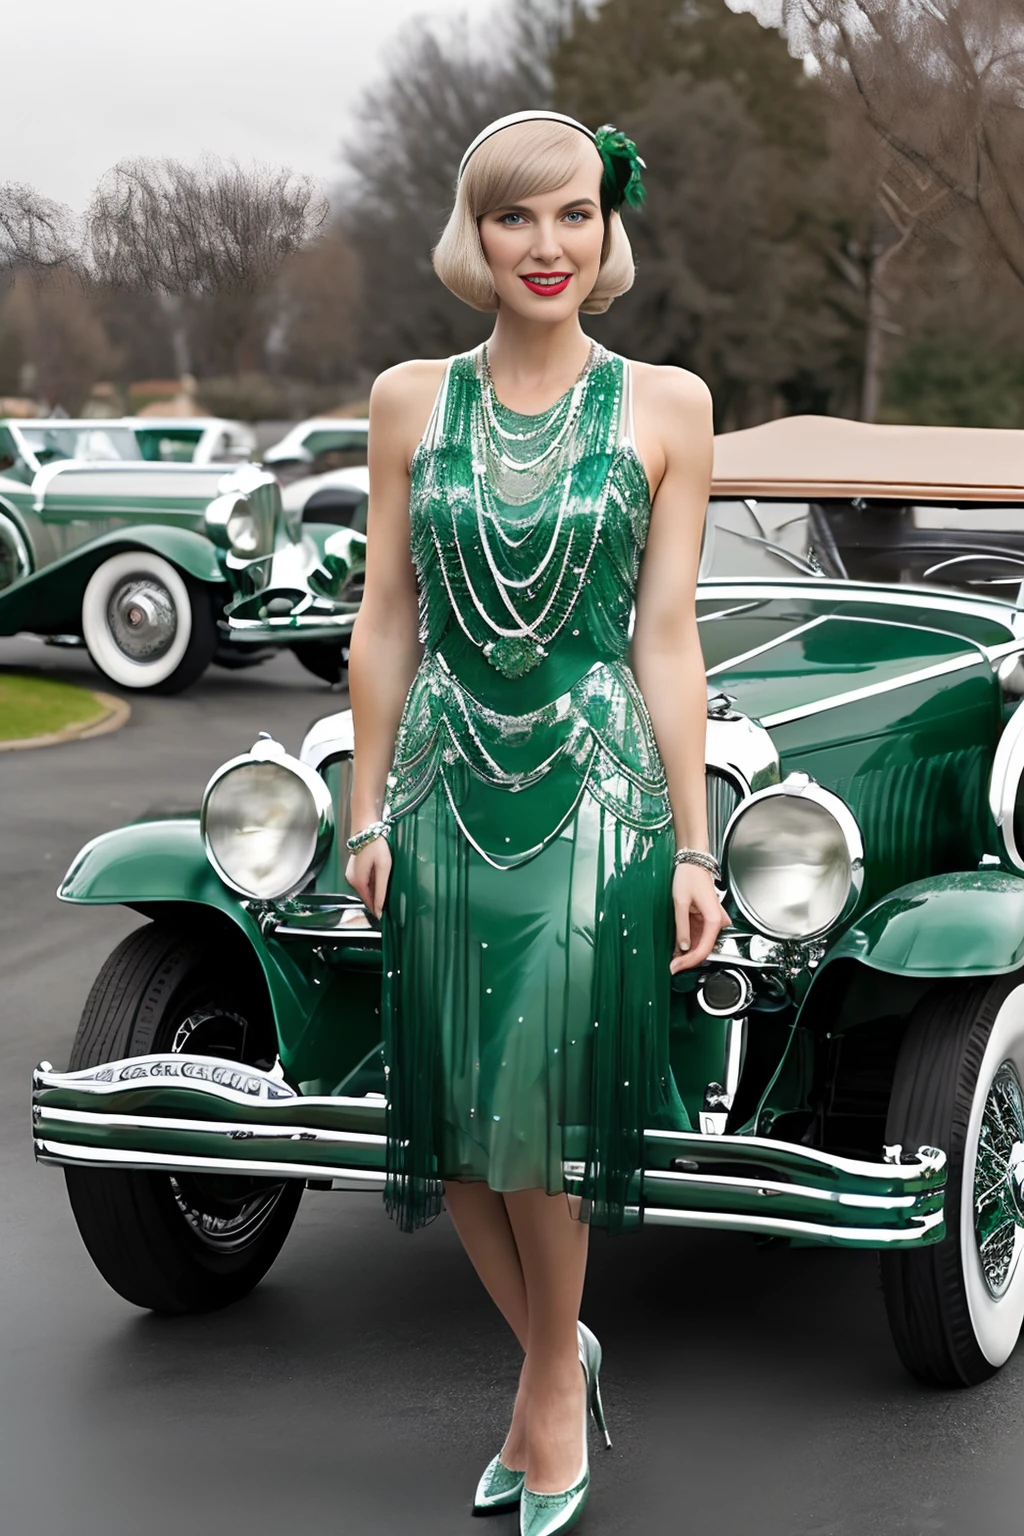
[{"x": 526, "y": 1012}]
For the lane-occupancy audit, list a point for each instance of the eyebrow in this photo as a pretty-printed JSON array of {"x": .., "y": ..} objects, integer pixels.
[{"x": 576, "y": 202}]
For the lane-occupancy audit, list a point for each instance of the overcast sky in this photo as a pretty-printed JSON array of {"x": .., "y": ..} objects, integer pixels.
[{"x": 86, "y": 85}]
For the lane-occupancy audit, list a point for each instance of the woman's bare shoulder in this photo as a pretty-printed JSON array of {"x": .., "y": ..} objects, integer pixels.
[
  {"x": 401, "y": 401},
  {"x": 405, "y": 385},
  {"x": 661, "y": 387}
]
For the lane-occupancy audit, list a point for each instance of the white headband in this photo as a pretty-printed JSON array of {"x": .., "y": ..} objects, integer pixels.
[{"x": 521, "y": 117}]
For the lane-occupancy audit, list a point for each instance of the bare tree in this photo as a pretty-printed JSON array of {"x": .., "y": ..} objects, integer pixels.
[
  {"x": 36, "y": 233},
  {"x": 730, "y": 281},
  {"x": 880, "y": 215},
  {"x": 942, "y": 84},
  {"x": 214, "y": 234}
]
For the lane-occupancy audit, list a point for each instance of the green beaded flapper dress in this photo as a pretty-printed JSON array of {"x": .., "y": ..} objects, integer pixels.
[{"x": 528, "y": 924}]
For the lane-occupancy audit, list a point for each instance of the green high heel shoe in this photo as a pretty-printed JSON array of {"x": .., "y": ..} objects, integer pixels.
[
  {"x": 500, "y": 1488},
  {"x": 545, "y": 1514}
]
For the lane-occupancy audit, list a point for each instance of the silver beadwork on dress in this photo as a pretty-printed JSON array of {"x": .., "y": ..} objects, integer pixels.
[{"x": 540, "y": 591}]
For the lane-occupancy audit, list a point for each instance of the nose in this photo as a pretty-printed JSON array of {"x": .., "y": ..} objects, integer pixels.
[{"x": 547, "y": 247}]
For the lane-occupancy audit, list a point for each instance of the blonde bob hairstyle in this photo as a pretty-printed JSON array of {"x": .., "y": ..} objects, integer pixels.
[{"x": 518, "y": 162}]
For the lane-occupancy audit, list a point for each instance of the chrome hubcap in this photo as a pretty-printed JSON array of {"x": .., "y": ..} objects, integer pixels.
[
  {"x": 142, "y": 618},
  {"x": 999, "y": 1181}
]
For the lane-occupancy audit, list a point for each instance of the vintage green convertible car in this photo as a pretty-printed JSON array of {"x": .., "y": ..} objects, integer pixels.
[
  {"x": 160, "y": 569},
  {"x": 851, "y": 1056}
]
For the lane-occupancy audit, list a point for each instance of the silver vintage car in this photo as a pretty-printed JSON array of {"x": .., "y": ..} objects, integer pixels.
[{"x": 160, "y": 569}]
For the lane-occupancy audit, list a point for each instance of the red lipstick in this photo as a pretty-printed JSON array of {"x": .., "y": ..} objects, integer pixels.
[{"x": 546, "y": 283}]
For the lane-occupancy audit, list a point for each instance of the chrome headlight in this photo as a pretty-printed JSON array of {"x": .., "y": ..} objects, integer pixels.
[
  {"x": 237, "y": 525},
  {"x": 244, "y": 517},
  {"x": 794, "y": 859},
  {"x": 266, "y": 822}
]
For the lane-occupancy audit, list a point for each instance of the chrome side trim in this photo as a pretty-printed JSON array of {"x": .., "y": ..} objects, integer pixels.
[
  {"x": 235, "y": 1130},
  {"x": 1004, "y": 785},
  {"x": 65, "y": 1154},
  {"x": 769, "y": 1188},
  {"x": 768, "y": 645},
  {"x": 927, "y": 1162},
  {"x": 858, "y": 592},
  {"x": 371, "y": 937},
  {"x": 872, "y": 690},
  {"x": 928, "y": 1228}
]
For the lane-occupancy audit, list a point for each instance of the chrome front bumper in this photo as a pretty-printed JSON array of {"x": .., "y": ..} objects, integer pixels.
[
  {"x": 282, "y": 598},
  {"x": 177, "y": 1114}
]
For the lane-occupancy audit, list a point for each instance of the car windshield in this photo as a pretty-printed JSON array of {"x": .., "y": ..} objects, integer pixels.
[
  {"x": 973, "y": 547},
  {"x": 100, "y": 443},
  {"x": 167, "y": 445},
  {"x": 335, "y": 448},
  {"x": 758, "y": 539}
]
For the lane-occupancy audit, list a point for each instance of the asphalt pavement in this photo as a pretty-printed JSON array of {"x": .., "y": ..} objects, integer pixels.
[{"x": 750, "y": 1391}]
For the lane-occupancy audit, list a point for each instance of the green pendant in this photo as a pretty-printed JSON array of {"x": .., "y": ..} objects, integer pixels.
[{"x": 513, "y": 656}]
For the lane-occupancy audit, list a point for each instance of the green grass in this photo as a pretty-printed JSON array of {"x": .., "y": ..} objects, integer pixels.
[{"x": 35, "y": 706}]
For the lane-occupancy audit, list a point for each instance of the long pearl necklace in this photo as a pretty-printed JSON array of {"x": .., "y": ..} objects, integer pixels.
[{"x": 527, "y": 468}]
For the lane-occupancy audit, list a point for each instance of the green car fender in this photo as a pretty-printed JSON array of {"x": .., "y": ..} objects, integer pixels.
[
  {"x": 152, "y": 864},
  {"x": 967, "y": 924},
  {"x": 56, "y": 590},
  {"x": 945, "y": 927}
]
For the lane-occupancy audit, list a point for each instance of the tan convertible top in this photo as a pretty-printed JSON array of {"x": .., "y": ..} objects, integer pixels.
[{"x": 821, "y": 456}]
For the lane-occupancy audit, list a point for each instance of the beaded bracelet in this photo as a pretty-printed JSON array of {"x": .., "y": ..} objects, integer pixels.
[
  {"x": 702, "y": 860},
  {"x": 368, "y": 835}
]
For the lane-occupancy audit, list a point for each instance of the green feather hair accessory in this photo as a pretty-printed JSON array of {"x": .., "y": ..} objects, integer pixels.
[{"x": 622, "y": 166}]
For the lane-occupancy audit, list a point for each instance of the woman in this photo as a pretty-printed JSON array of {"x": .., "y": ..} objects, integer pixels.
[{"x": 530, "y": 808}]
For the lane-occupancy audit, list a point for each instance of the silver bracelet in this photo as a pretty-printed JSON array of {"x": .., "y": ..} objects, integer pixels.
[
  {"x": 702, "y": 860},
  {"x": 368, "y": 835}
]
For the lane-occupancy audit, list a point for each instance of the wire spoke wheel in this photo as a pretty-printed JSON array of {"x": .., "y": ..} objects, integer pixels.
[{"x": 998, "y": 1177}]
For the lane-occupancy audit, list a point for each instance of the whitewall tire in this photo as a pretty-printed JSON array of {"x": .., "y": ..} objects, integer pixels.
[
  {"x": 992, "y": 1206},
  {"x": 956, "y": 1309},
  {"x": 147, "y": 626}
]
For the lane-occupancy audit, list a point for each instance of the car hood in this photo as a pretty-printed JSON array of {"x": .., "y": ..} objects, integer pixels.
[{"x": 790, "y": 651}]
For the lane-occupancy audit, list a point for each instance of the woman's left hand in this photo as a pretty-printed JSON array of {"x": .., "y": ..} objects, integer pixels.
[{"x": 700, "y": 916}]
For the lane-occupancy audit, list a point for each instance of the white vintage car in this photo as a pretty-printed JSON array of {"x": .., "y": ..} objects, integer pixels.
[{"x": 320, "y": 444}]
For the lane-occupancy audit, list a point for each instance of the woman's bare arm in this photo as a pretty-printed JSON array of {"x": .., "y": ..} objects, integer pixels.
[
  {"x": 677, "y": 443},
  {"x": 385, "y": 649}
]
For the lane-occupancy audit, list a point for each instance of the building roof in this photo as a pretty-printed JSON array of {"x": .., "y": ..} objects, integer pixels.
[{"x": 810, "y": 457}]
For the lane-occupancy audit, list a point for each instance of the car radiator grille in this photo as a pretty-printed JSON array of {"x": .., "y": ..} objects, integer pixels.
[{"x": 723, "y": 797}]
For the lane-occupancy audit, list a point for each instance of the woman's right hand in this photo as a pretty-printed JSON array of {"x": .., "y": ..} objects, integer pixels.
[{"x": 368, "y": 872}]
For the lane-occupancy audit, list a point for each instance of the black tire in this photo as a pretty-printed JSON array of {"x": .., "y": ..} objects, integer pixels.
[
  {"x": 147, "y": 625},
  {"x": 326, "y": 659},
  {"x": 187, "y": 1243},
  {"x": 957, "y": 1086}
]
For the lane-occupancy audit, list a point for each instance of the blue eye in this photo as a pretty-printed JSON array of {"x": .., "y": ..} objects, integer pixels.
[
  {"x": 578, "y": 215},
  {"x": 505, "y": 217}
]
